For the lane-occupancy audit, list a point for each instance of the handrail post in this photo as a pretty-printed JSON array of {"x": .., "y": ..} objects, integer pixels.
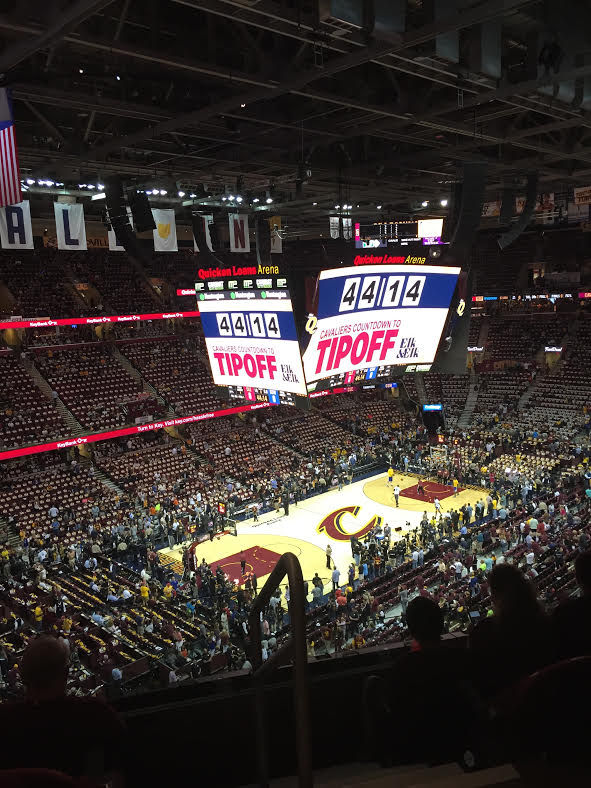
[{"x": 288, "y": 565}]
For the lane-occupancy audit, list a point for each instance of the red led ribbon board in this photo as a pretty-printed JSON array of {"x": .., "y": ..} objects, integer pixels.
[
  {"x": 48, "y": 322},
  {"x": 67, "y": 443}
]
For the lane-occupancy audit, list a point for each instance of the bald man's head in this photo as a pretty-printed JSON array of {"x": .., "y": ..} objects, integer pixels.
[{"x": 44, "y": 668}]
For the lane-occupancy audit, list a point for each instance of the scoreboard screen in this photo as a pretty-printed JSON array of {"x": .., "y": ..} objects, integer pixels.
[
  {"x": 374, "y": 320},
  {"x": 251, "y": 341}
]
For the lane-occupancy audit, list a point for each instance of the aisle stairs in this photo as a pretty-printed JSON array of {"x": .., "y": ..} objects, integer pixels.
[
  {"x": 471, "y": 401},
  {"x": 74, "y": 425},
  {"x": 420, "y": 387},
  {"x": 137, "y": 375}
]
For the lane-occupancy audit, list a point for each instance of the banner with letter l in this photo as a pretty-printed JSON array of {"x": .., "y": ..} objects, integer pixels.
[
  {"x": 16, "y": 230},
  {"x": 69, "y": 226},
  {"x": 165, "y": 232},
  {"x": 239, "y": 238}
]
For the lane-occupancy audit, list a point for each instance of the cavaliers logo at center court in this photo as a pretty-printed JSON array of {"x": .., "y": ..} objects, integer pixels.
[{"x": 332, "y": 524}]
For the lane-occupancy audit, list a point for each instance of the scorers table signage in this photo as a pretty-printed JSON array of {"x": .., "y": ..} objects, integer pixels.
[{"x": 378, "y": 316}]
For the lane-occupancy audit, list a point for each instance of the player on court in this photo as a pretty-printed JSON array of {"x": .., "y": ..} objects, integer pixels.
[
  {"x": 420, "y": 488},
  {"x": 390, "y": 475},
  {"x": 437, "y": 507},
  {"x": 396, "y": 493}
]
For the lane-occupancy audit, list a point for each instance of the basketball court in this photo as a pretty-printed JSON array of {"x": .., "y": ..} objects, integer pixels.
[{"x": 331, "y": 518}]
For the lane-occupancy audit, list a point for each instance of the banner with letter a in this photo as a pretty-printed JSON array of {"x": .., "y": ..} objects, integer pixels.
[
  {"x": 16, "y": 231},
  {"x": 69, "y": 226},
  {"x": 165, "y": 232},
  {"x": 114, "y": 245},
  {"x": 239, "y": 238},
  {"x": 207, "y": 220}
]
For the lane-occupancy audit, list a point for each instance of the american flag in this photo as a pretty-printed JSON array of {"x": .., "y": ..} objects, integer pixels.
[{"x": 10, "y": 179}]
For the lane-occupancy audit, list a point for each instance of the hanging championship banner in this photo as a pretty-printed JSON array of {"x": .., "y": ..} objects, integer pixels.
[
  {"x": 207, "y": 220},
  {"x": 582, "y": 195},
  {"x": 165, "y": 232},
  {"x": 69, "y": 226},
  {"x": 335, "y": 226},
  {"x": 16, "y": 230},
  {"x": 114, "y": 245},
  {"x": 347, "y": 228},
  {"x": 276, "y": 239}
]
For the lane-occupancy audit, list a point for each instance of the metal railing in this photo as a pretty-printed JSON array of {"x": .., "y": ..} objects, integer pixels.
[{"x": 295, "y": 650}]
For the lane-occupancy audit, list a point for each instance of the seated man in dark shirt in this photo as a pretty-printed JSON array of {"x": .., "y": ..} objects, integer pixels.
[
  {"x": 431, "y": 713},
  {"x": 571, "y": 622},
  {"x": 81, "y": 737}
]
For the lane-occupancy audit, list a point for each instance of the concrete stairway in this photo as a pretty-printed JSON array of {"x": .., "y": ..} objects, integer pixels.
[
  {"x": 137, "y": 375},
  {"x": 420, "y": 387},
  {"x": 483, "y": 334},
  {"x": 108, "y": 481},
  {"x": 470, "y": 404},
  {"x": 73, "y": 424}
]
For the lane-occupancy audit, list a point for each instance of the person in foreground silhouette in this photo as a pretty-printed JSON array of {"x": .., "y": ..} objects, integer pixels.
[
  {"x": 80, "y": 737},
  {"x": 513, "y": 642},
  {"x": 425, "y": 711},
  {"x": 571, "y": 621}
]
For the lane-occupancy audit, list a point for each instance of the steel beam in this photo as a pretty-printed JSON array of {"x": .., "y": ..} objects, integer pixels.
[
  {"x": 45, "y": 121},
  {"x": 489, "y": 10},
  {"x": 66, "y": 23}
]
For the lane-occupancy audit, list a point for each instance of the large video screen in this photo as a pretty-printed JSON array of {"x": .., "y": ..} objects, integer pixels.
[
  {"x": 375, "y": 320},
  {"x": 252, "y": 343},
  {"x": 379, "y": 235}
]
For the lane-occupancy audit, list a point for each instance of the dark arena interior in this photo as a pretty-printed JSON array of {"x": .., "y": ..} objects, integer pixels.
[{"x": 295, "y": 393}]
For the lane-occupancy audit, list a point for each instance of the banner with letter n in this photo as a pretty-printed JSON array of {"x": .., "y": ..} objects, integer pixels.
[
  {"x": 347, "y": 228},
  {"x": 16, "y": 231},
  {"x": 239, "y": 238},
  {"x": 69, "y": 226},
  {"x": 165, "y": 232}
]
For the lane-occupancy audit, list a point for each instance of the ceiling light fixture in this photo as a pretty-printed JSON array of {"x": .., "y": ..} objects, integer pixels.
[
  {"x": 181, "y": 194},
  {"x": 425, "y": 203},
  {"x": 444, "y": 203},
  {"x": 269, "y": 200},
  {"x": 256, "y": 199}
]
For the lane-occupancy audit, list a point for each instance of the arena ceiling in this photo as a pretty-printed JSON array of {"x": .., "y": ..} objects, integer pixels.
[{"x": 300, "y": 100}]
